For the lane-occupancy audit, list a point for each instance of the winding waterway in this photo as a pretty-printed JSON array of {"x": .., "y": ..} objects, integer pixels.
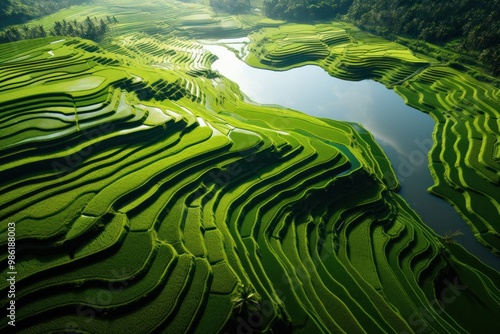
[{"x": 404, "y": 133}]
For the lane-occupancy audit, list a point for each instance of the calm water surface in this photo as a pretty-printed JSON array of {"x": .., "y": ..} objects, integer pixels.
[{"x": 403, "y": 132}]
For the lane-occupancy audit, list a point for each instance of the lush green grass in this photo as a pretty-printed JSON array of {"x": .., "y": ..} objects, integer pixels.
[{"x": 132, "y": 165}]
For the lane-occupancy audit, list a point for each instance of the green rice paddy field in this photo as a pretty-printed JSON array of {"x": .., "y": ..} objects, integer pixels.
[{"x": 149, "y": 197}]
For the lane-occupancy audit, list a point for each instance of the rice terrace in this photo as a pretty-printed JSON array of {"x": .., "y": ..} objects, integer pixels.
[{"x": 216, "y": 166}]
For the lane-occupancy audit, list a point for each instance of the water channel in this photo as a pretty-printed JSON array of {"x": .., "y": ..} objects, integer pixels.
[{"x": 403, "y": 132}]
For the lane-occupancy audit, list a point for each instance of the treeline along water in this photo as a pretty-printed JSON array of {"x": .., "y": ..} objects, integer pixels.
[{"x": 475, "y": 23}]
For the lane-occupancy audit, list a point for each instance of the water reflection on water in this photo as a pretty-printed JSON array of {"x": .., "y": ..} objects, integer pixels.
[{"x": 403, "y": 132}]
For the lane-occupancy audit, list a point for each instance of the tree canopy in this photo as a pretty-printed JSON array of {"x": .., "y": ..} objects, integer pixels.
[
  {"x": 476, "y": 23},
  {"x": 94, "y": 29},
  {"x": 231, "y": 6}
]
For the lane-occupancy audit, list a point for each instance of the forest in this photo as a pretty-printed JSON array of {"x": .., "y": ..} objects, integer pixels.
[
  {"x": 474, "y": 22},
  {"x": 231, "y": 6},
  {"x": 213, "y": 170},
  {"x": 305, "y": 10}
]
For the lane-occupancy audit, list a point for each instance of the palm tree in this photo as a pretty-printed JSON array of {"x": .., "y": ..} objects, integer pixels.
[
  {"x": 70, "y": 30},
  {"x": 246, "y": 300}
]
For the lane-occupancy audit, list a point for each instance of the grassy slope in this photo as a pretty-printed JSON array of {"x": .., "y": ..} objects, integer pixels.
[
  {"x": 145, "y": 190},
  {"x": 465, "y": 158}
]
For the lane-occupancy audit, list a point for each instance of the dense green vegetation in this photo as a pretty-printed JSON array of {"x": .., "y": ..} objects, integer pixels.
[
  {"x": 465, "y": 158},
  {"x": 91, "y": 29},
  {"x": 150, "y": 197},
  {"x": 21, "y": 11},
  {"x": 231, "y": 6},
  {"x": 304, "y": 10},
  {"x": 476, "y": 23}
]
